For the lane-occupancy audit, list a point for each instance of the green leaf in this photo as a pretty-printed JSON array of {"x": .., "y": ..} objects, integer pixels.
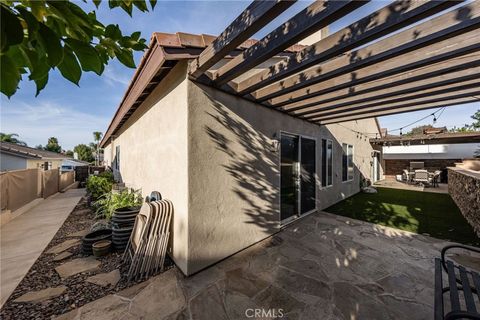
[
  {"x": 52, "y": 45},
  {"x": 69, "y": 67},
  {"x": 153, "y": 3},
  {"x": 11, "y": 28},
  {"x": 97, "y": 3},
  {"x": 141, "y": 5},
  {"x": 40, "y": 68},
  {"x": 136, "y": 35},
  {"x": 10, "y": 76},
  {"x": 38, "y": 9},
  {"x": 87, "y": 55},
  {"x": 125, "y": 56},
  {"x": 112, "y": 31},
  {"x": 41, "y": 83}
]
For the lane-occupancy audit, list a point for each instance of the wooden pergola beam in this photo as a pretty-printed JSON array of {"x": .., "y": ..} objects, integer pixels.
[
  {"x": 419, "y": 96},
  {"x": 391, "y": 111},
  {"x": 445, "y": 54},
  {"x": 356, "y": 95},
  {"x": 311, "y": 19},
  {"x": 438, "y": 99},
  {"x": 441, "y": 28},
  {"x": 253, "y": 18},
  {"x": 391, "y": 18}
]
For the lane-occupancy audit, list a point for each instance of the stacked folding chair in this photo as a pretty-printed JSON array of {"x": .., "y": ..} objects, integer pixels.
[{"x": 147, "y": 246}]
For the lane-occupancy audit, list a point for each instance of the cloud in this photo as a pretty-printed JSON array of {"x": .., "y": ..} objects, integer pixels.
[
  {"x": 112, "y": 76},
  {"x": 35, "y": 123}
]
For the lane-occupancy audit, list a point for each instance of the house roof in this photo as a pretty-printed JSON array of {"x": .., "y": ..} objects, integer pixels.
[
  {"x": 438, "y": 138},
  {"x": 164, "y": 51},
  {"x": 27, "y": 152}
]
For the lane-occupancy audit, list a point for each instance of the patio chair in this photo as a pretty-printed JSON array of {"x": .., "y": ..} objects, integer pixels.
[
  {"x": 138, "y": 239},
  {"x": 421, "y": 176},
  {"x": 148, "y": 247},
  {"x": 461, "y": 287},
  {"x": 436, "y": 177},
  {"x": 406, "y": 175}
]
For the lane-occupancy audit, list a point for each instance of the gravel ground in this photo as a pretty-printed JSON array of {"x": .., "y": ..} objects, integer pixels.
[{"x": 42, "y": 275}]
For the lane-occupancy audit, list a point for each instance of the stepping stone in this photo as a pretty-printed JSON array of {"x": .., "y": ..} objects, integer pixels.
[
  {"x": 42, "y": 295},
  {"x": 64, "y": 246},
  {"x": 61, "y": 256},
  {"x": 80, "y": 233},
  {"x": 105, "y": 279},
  {"x": 77, "y": 266}
]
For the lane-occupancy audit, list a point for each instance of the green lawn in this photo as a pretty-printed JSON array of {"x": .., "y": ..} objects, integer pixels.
[{"x": 420, "y": 212}]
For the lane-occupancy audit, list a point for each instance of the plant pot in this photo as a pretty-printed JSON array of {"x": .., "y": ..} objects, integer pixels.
[
  {"x": 120, "y": 237},
  {"x": 95, "y": 236},
  {"x": 127, "y": 211},
  {"x": 101, "y": 248}
]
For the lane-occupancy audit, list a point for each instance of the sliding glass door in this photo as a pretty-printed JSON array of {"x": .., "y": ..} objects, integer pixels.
[{"x": 297, "y": 175}]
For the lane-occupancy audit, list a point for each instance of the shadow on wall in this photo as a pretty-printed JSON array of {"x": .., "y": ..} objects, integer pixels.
[{"x": 253, "y": 165}]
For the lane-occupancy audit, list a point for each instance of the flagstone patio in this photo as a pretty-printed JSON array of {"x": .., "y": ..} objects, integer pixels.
[{"x": 321, "y": 267}]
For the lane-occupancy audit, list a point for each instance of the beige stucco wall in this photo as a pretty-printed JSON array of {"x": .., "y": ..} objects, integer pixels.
[
  {"x": 153, "y": 151},
  {"x": 234, "y": 182},
  {"x": 35, "y": 163}
]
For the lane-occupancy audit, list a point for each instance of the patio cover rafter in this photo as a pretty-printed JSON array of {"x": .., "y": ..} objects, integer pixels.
[
  {"x": 389, "y": 111},
  {"x": 392, "y": 87},
  {"x": 253, "y": 18},
  {"x": 444, "y": 55},
  {"x": 313, "y": 18},
  {"x": 472, "y": 94},
  {"x": 393, "y": 60},
  {"x": 380, "y": 23},
  {"x": 446, "y": 26},
  {"x": 445, "y": 90}
]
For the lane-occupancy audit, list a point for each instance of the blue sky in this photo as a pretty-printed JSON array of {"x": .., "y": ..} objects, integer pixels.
[{"x": 72, "y": 113}]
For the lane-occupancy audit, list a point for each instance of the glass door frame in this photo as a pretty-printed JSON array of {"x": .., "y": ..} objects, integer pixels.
[{"x": 296, "y": 216}]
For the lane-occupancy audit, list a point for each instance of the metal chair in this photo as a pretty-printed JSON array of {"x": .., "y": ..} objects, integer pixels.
[{"x": 421, "y": 176}]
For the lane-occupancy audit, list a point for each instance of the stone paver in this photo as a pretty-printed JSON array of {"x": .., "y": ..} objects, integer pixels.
[
  {"x": 24, "y": 238},
  {"x": 80, "y": 233},
  {"x": 62, "y": 256},
  {"x": 77, "y": 266},
  {"x": 320, "y": 267},
  {"x": 105, "y": 279},
  {"x": 67, "y": 244},
  {"x": 41, "y": 295}
]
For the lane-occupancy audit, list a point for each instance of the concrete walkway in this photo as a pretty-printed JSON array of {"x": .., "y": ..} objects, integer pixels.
[{"x": 24, "y": 238}]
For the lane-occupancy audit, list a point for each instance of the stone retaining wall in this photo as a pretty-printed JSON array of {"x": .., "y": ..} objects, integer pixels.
[{"x": 464, "y": 188}]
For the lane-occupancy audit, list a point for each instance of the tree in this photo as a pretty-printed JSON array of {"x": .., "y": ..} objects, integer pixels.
[
  {"x": 12, "y": 138},
  {"x": 97, "y": 136},
  {"x": 52, "y": 145},
  {"x": 69, "y": 153},
  {"x": 476, "y": 124},
  {"x": 418, "y": 130},
  {"x": 84, "y": 152},
  {"x": 38, "y": 36}
]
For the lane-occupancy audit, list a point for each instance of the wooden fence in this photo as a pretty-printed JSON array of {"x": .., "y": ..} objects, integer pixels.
[{"x": 20, "y": 187}]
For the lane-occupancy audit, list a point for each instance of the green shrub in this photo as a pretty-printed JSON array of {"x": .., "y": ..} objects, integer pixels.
[
  {"x": 116, "y": 200},
  {"x": 98, "y": 186},
  {"x": 107, "y": 174}
]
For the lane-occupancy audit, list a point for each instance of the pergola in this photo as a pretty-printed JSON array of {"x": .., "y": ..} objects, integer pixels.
[{"x": 407, "y": 56}]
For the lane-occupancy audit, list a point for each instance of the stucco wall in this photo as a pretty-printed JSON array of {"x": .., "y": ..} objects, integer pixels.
[
  {"x": 11, "y": 162},
  {"x": 153, "y": 151},
  {"x": 234, "y": 183},
  {"x": 34, "y": 163}
]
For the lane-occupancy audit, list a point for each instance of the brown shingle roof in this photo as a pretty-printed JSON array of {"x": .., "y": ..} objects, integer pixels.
[{"x": 28, "y": 152}]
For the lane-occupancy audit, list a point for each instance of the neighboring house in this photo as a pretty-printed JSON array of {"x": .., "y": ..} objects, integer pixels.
[
  {"x": 436, "y": 150},
  {"x": 71, "y": 164},
  {"x": 236, "y": 171},
  {"x": 16, "y": 157}
]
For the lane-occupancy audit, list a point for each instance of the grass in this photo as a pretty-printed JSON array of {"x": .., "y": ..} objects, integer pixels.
[{"x": 429, "y": 213}]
